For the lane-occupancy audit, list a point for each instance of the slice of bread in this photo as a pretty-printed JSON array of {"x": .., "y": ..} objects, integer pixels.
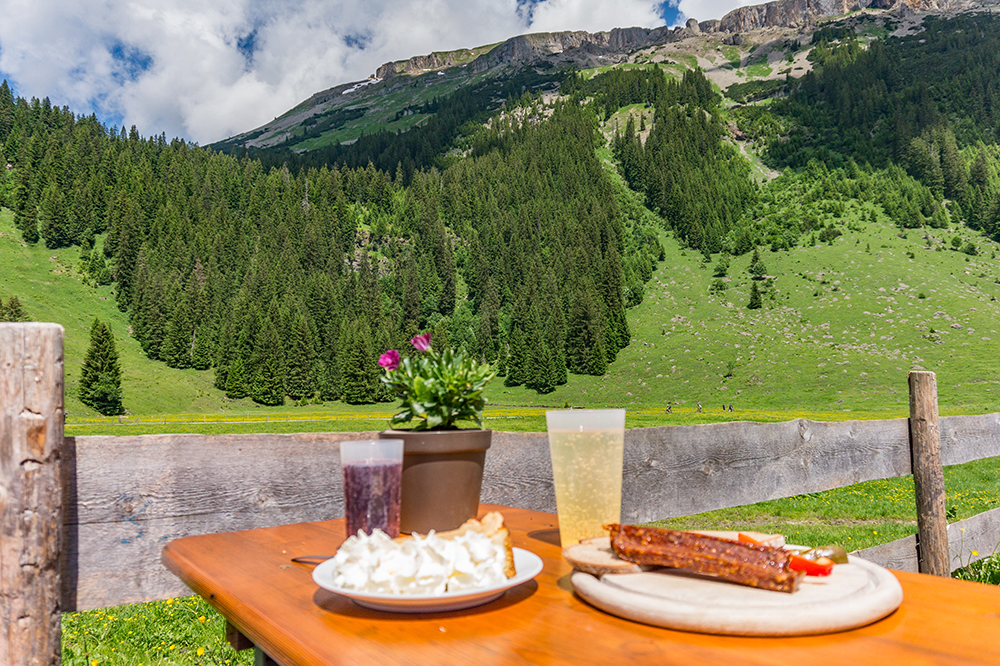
[
  {"x": 596, "y": 557},
  {"x": 491, "y": 526}
]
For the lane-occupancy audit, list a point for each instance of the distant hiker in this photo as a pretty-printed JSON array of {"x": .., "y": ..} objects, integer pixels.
[
  {"x": 669, "y": 411},
  {"x": 730, "y": 408},
  {"x": 699, "y": 407}
]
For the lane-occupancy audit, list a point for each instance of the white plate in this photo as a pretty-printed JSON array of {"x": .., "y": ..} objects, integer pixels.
[
  {"x": 854, "y": 595},
  {"x": 527, "y": 565}
]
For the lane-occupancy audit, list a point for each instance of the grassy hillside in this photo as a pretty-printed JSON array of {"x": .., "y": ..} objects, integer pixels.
[
  {"x": 843, "y": 324},
  {"x": 49, "y": 286}
]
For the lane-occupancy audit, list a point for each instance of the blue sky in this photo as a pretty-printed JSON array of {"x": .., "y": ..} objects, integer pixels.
[{"x": 207, "y": 70}]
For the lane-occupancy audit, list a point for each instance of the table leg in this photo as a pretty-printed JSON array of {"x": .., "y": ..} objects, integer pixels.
[
  {"x": 261, "y": 659},
  {"x": 236, "y": 639}
]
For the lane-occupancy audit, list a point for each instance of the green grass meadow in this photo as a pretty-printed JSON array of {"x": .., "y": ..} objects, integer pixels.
[
  {"x": 187, "y": 631},
  {"x": 841, "y": 326}
]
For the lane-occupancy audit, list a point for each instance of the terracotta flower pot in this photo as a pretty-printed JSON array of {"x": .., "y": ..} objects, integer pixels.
[{"x": 442, "y": 477}]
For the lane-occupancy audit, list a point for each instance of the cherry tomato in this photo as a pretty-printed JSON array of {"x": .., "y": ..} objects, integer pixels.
[{"x": 820, "y": 567}]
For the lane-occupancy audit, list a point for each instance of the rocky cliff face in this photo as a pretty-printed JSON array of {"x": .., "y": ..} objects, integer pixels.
[
  {"x": 797, "y": 13},
  {"x": 527, "y": 48},
  {"x": 418, "y": 64},
  {"x": 586, "y": 48}
]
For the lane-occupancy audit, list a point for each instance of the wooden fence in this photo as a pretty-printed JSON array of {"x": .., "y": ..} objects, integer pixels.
[{"x": 83, "y": 520}]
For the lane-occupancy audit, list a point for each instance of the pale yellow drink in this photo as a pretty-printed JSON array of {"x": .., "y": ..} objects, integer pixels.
[{"x": 587, "y": 470}]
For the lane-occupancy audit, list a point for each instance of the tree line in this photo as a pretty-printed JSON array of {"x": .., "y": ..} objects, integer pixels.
[
  {"x": 688, "y": 172},
  {"x": 928, "y": 102},
  {"x": 288, "y": 284}
]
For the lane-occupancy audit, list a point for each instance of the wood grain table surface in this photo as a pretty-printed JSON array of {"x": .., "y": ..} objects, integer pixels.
[{"x": 250, "y": 579}]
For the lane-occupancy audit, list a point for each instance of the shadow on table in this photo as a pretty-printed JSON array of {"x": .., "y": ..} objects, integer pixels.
[{"x": 335, "y": 603}]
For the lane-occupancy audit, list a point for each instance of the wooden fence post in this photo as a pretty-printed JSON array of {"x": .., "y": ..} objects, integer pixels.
[
  {"x": 928, "y": 475},
  {"x": 31, "y": 513}
]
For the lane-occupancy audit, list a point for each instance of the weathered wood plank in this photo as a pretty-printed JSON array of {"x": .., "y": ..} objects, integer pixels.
[
  {"x": 969, "y": 541},
  {"x": 900, "y": 554},
  {"x": 31, "y": 500},
  {"x": 518, "y": 472},
  {"x": 974, "y": 538},
  {"x": 967, "y": 438},
  {"x": 928, "y": 474},
  {"x": 130, "y": 495},
  {"x": 682, "y": 470}
]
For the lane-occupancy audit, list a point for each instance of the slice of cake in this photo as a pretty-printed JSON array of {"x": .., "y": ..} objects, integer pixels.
[{"x": 492, "y": 527}]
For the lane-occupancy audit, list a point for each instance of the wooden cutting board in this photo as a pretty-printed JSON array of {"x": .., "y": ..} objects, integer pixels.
[{"x": 855, "y": 594}]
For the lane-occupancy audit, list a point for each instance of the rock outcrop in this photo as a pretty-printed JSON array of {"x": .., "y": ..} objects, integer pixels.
[
  {"x": 586, "y": 47},
  {"x": 798, "y": 13},
  {"x": 528, "y": 48}
]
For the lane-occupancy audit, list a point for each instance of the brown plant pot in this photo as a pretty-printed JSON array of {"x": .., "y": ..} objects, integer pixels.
[{"x": 442, "y": 477}]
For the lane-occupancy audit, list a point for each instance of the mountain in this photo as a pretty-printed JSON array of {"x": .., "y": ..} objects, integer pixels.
[
  {"x": 602, "y": 233},
  {"x": 800, "y": 13},
  {"x": 385, "y": 101}
]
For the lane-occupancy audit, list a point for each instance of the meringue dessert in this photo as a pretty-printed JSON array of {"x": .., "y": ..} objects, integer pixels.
[{"x": 469, "y": 558}]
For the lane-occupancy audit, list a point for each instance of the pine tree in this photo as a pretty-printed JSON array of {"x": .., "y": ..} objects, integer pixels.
[
  {"x": 721, "y": 268},
  {"x": 300, "y": 380},
  {"x": 201, "y": 355},
  {"x": 584, "y": 335},
  {"x": 52, "y": 218},
  {"x": 540, "y": 373},
  {"x": 410, "y": 296},
  {"x": 523, "y": 338},
  {"x": 266, "y": 385},
  {"x": 755, "y": 299},
  {"x": 267, "y": 379},
  {"x": 223, "y": 353},
  {"x": 236, "y": 379},
  {"x": 757, "y": 268},
  {"x": 13, "y": 311},
  {"x": 554, "y": 325},
  {"x": 616, "y": 333},
  {"x": 177, "y": 339},
  {"x": 26, "y": 219},
  {"x": 100, "y": 379},
  {"x": 446, "y": 302},
  {"x": 360, "y": 374},
  {"x": 488, "y": 333}
]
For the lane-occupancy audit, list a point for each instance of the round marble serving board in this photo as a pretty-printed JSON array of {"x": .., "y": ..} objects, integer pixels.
[{"x": 855, "y": 594}]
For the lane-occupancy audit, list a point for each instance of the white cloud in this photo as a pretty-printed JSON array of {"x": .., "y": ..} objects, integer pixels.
[
  {"x": 555, "y": 15},
  {"x": 176, "y": 66},
  {"x": 704, "y": 10}
]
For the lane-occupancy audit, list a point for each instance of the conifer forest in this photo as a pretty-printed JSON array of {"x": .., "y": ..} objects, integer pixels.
[{"x": 496, "y": 228}]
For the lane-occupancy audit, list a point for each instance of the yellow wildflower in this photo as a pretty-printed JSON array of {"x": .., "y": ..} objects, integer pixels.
[
  {"x": 94, "y": 662},
  {"x": 201, "y": 651},
  {"x": 201, "y": 619}
]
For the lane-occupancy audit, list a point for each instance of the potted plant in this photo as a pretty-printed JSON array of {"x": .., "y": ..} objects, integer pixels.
[{"x": 442, "y": 463}]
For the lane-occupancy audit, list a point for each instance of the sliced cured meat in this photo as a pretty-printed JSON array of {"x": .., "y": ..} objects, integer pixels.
[{"x": 743, "y": 563}]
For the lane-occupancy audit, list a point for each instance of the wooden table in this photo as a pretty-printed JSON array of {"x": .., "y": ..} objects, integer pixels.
[{"x": 249, "y": 577}]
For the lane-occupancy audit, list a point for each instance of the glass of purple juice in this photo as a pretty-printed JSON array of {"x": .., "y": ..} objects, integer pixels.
[{"x": 373, "y": 472}]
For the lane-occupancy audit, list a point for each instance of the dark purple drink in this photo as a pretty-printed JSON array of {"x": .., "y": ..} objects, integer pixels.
[{"x": 371, "y": 496}]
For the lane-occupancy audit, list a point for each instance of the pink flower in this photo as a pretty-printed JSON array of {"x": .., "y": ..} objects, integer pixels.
[
  {"x": 389, "y": 360},
  {"x": 422, "y": 342}
]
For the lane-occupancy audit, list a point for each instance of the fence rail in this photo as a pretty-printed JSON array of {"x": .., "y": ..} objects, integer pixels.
[
  {"x": 84, "y": 519},
  {"x": 490, "y": 414}
]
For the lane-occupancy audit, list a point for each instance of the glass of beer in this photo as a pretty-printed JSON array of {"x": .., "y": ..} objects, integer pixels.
[
  {"x": 373, "y": 472},
  {"x": 587, "y": 447}
]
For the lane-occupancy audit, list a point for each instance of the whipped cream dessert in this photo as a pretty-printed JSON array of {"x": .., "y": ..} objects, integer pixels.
[{"x": 421, "y": 565}]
